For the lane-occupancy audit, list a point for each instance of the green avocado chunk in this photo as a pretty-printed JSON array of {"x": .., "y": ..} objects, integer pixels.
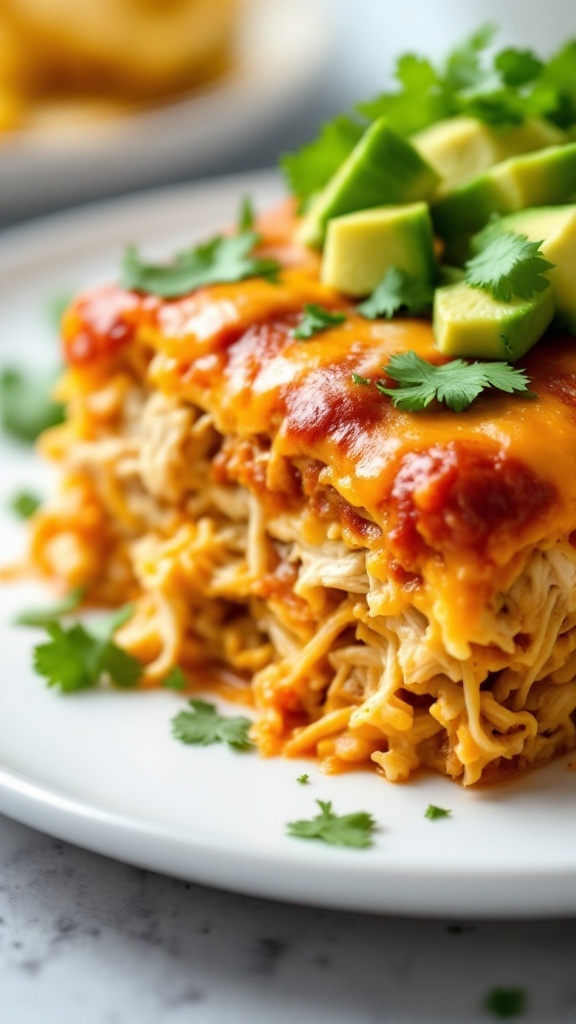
[
  {"x": 361, "y": 247},
  {"x": 555, "y": 228},
  {"x": 535, "y": 179},
  {"x": 461, "y": 148},
  {"x": 468, "y": 322},
  {"x": 382, "y": 168}
]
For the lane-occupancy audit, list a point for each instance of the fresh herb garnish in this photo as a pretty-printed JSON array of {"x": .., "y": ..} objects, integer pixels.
[
  {"x": 76, "y": 658},
  {"x": 24, "y": 504},
  {"x": 433, "y": 812},
  {"x": 316, "y": 319},
  {"x": 46, "y": 616},
  {"x": 204, "y": 725},
  {"x": 303, "y": 779},
  {"x": 308, "y": 170},
  {"x": 502, "y": 88},
  {"x": 338, "y": 830},
  {"x": 518, "y": 67},
  {"x": 507, "y": 264},
  {"x": 220, "y": 261},
  {"x": 506, "y": 1002},
  {"x": 175, "y": 680},
  {"x": 357, "y": 378},
  {"x": 456, "y": 383},
  {"x": 246, "y": 215},
  {"x": 421, "y": 99},
  {"x": 397, "y": 291},
  {"x": 25, "y": 406}
]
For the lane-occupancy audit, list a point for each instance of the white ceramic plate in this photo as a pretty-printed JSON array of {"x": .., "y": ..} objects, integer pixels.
[
  {"x": 282, "y": 49},
  {"x": 101, "y": 769}
]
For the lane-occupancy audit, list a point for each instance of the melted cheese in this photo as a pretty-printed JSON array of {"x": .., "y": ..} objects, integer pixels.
[{"x": 460, "y": 499}]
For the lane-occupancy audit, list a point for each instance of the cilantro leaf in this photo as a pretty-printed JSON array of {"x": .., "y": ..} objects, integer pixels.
[
  {"x": 433, "y": 812},
  {"x": 75, "y": 658},
  {"x": 420, "y": 100},
  {"x": 396, "y": 291},
  {"x": 455, "y": 383},
  {"x": 46, "y": 616},
  {"x": 175, "y": 680},
  {"x": 310, "y": 167},
  {"x": 204, "y": 725},
  {"x": 338, "y": 830},
  {"x": 316, "y": 319},
  {"x": 556, "y": 86},
  {"x": 69, "y": 659},
  {"x": 464, "y": 69},
  {"x": 357, "y": 378},
  {"x": 24, "y": 504},
  {"x": 507, "y": 264},
  {"x": 303, "y": 779},
  {"x": 518, "y": 67},
  {"x": 25, "y": 406},
  {"x": 506, "y": 1002},
  {"x": 219, "y": 261},
  {"x": 502, "y": 89},
  {"x": 246, "y": 215},
  {"x": 123, "y": 668}
]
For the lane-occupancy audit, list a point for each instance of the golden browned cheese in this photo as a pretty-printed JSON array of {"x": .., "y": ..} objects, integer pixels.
[{"x": 458, "y": 496}]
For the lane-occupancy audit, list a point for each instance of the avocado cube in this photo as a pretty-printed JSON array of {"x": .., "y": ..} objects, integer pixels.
[
  {"x": 468, "y": 322},
  {"x": 535, "y": 179},
  {"x": 382, "y": 168},
  {"x": 555, "y": 228},
  {"x": 361, "y": 247},
  {"x": 461, "y": 148}
]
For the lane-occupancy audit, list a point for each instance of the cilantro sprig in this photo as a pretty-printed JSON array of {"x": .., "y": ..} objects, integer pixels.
[
  {"x": 175, "y": 680},
  {"x": 222, "y": 260},
  {"x": 397, "y": 291},
  {"x": 316, "y": 319},
  {"x": 77, "y": 658},
  {"x": 203, "y": 725},
  {"x": 507, "y": 264},
  {"x": 337, "y": 830},
  {"x": 455, "y": 384},
  {"x": 246, "y": 215},
  {"x": 24, "y": 504},
  {"x": 502, "y": 88},
  {"x": 308, "y": 169},
  {"x": 26, "y": 408},
  {"x": 434, "y": 813}
]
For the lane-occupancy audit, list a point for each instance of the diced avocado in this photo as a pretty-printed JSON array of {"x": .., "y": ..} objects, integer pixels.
[
  {"x": 461, "y": 148},
  {"x": 555, "y": 228},
  {"x": 361, "y": 247},
  {"x": 468, "y": 322},
  {"x": 382, "y": 168},
  {"x": 535, "y": 179}
]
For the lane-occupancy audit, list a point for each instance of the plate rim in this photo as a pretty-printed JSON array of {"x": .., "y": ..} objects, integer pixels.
[{"x": 106, "y": 832}]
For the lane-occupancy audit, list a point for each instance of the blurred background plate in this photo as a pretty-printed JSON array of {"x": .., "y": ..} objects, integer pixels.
[{"x": 282, "y": 50}]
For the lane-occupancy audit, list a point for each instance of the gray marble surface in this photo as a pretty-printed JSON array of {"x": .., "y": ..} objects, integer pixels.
[{"x": 85, "y": 940}]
